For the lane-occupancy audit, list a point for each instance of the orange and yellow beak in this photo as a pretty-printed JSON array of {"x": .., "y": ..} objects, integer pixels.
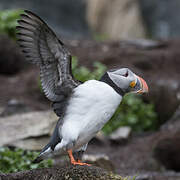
[{"x": 144, "y": 88}]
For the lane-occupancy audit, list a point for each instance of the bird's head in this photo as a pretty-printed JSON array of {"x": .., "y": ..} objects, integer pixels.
[{"x": 124, "y": 81}]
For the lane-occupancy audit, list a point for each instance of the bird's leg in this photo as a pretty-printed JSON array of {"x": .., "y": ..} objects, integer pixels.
[
  {"x": 78, "y": 155},
  {"x": 73, "y": 160}
]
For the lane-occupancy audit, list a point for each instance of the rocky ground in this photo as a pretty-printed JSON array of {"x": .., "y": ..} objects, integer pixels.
[
  {"x": 67, "y": 172},
  {"x": 151, "y": 155}
]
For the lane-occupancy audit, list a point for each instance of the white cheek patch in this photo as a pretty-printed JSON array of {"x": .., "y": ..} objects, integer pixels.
[{"x": 120, "y": 81}]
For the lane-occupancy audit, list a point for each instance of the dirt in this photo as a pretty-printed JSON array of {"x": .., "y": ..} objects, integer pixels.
[
  {"x": 23, "y": 87},
  {"x": 136, "y": 156},
  {"x": 67, "y": 172},
  {"x": 154, "y": 64}
]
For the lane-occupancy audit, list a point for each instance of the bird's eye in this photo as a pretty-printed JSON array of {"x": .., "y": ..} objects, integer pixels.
[{"x": 126, "y": 74}]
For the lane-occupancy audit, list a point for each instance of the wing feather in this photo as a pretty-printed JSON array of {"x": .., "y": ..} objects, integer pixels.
[{"x": 42, "y": 47}]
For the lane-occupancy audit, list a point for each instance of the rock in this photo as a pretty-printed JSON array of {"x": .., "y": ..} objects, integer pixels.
[
  {"x": 167, "y": 148},
  {"x": 100, "y": 136},
  {"x": 116, "y": 20},
  {"x": 143, "y": 177},
  {"x": 144, "y": 43},
  {"x": 163, "y": 94},
  {"x": 69, "y": 173},
  {"x": 172, "y": 124},
  {"x": 99, "y": 160},
  {"x": 99, "y": 139},
  {"x": 31, "y": 143},
  {"x": 1, "y": 110},
  {"x": 14, "y": 107},
  {"x": 11, "y": 60},
  {"x": 167, "y": 153},
  {"x": 28, "y": 131},
  {"x": 121, "y": 135},
  {"x": 161, "y": 18}
]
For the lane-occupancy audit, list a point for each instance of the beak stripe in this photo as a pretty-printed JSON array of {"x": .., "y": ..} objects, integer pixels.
[{"x": 145, "y": 88}]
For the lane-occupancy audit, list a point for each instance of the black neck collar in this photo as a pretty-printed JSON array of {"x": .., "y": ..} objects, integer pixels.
[{"x": 105, "y": 78}]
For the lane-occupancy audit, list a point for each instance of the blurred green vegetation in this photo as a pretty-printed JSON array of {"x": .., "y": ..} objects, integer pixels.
[
  {"x": 16, "y": 159},
  {"x": 135, "y": 113},
  {"x": 83, "y": 74},
  {"x": 100, "y": 37},
  {"x": 8, "y": 22},
  {"x": 19, "y": 160}
]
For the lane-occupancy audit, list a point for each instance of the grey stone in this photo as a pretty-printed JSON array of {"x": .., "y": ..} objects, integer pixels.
[
  {"x": 1, "y": 110},
  {"x": 14, "y": 106},
  {"x": 118, "y": 19},
  {"x": 100, "y": 160},
  {"x": 100, "y": 137},
  {"x": 29, "y": 130},
  {"x": 167, "y": 147},
  {"x": 12, "y": 60},
  {"x": 143, "y": 177},
  {"x": 120, "y": 135},
  {"x": 161, "y": 17}
]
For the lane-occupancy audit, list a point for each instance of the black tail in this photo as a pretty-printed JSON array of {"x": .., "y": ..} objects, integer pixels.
[
  {"x": 37, "y": 160},
  {"x": 55, "y": 139}
]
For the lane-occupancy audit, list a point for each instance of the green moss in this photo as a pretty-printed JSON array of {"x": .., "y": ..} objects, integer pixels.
[
  {"x": 8, "y": 22},
  {"x": 18, "y": 160}
]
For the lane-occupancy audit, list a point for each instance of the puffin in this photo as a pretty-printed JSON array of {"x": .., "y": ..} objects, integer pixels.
[{"x": 83, "y": 108}]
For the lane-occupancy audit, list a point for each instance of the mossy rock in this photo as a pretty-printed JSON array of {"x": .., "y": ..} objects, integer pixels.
[{"x": 63, "y": 173}]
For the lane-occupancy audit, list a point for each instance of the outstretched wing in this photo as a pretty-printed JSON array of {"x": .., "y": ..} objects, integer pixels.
[{"x": 42, "y": 47}]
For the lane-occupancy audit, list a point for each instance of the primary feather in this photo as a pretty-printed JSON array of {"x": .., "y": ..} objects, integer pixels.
[{"x": 42, "y": 47}]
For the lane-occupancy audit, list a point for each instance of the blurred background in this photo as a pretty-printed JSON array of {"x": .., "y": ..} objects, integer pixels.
[
  {"x": 143, "y": 135},
  {"x": 125, "y": 19}
]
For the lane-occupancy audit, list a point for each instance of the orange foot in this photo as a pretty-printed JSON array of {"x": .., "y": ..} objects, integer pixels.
[
  {"x": 79, "y": 163},
  {"x": 75, "y": 162}
]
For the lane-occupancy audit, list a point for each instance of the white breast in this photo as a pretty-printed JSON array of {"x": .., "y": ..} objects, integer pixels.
[{"x": 91, "y": 106}]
